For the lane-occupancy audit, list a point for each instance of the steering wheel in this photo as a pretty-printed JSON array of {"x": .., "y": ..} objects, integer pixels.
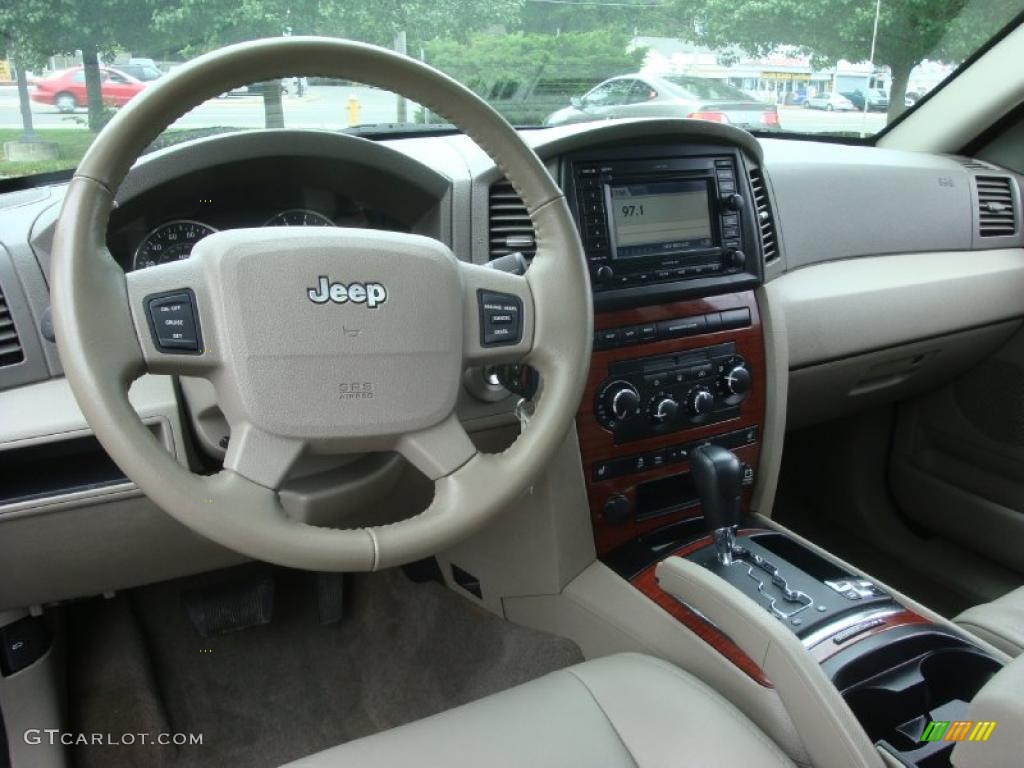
[{"x": 269, "y": 316}]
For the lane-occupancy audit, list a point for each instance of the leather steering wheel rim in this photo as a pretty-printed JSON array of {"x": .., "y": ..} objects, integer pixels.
[{"x": 104, "y": 342}]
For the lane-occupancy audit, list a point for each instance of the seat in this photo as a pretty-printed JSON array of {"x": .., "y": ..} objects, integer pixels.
[
  {"x": 1000, "y": 622},
  {"x": 624, "y": 710}
]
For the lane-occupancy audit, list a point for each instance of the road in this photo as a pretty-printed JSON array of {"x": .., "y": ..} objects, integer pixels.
[{"x": 326, "y": 107}]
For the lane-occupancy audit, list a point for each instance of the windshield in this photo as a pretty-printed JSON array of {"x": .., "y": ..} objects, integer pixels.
[{"x": 767, "y": 66}]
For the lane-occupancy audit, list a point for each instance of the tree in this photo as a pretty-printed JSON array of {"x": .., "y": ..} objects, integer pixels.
[
  {"x": 199, "y": 25},
  {"x": 527, "y": 76},
  {"x": 626, "y": 16},
  {"x": 909, "y": 31}
]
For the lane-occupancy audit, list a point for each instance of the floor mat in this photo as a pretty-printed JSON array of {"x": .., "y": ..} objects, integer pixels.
[{"x": 272, "y": 693}]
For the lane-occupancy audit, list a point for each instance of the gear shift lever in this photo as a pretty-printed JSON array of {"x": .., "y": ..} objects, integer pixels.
[{"x": 718, "y": 475}]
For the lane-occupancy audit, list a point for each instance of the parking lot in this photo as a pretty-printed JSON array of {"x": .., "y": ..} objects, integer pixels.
[{"x": 327, "y": 107}]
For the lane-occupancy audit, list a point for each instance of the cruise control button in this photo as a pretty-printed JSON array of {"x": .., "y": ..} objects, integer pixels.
[
  {"x": 501, "y": 319},
  {"x": 173, "y": 322}
]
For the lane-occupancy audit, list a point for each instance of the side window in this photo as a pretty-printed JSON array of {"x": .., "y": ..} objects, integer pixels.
[
  {"x": 600, "y": 96},
  {"x": 114, "y": 77},
  {"x": 79, "y": 76},
  {"x": 641, "y": 92}
]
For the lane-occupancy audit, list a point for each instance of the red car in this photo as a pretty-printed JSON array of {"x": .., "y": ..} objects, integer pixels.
[{"x": 66, "y": 90}]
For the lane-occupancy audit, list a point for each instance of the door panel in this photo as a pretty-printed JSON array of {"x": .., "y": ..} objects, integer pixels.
[{"x": 957, "y": 466}]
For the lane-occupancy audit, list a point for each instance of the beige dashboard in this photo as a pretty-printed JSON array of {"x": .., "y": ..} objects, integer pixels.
[{"x": 860, "y": 306}]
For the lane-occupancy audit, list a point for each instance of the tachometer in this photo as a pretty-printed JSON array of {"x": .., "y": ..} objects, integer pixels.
[
  {"x": 299, "y": 217},
  {"x": 170, "y": 242}
]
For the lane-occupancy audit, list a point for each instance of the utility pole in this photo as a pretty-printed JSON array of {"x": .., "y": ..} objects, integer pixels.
[{"x": 401, "y": 108}]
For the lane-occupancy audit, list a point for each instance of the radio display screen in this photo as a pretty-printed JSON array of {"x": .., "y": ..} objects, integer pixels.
[{"x": 659, "y": 218}]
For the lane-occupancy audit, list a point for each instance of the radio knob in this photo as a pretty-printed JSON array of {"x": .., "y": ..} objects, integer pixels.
[
  {"x": 736, "y": 380},
  {"x": 699, "y": 401},
  {"x": 735, "y": 259},
  {"x": 731, "y": 202},
  {"x": 604, "y": 274},
  {"x": 622, "y": 400},
  {"x": 664, "y": 410}
]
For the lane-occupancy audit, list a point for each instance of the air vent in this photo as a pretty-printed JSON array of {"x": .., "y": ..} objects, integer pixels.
[
  {"x": 510, "y": 227},
  {"x": 765, "y": 221},
  {"x": 997, "y": 216},
  {"x": 10, "y": 347}
]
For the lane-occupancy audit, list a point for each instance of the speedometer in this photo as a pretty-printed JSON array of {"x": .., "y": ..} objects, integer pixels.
[
  {"x": 170, "y": 242},
  {"x": 299, "y": 217}
]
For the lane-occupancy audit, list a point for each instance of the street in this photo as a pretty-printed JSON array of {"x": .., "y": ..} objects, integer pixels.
[
  {"x": 320, "y": 107},
  {"x": 326, "y": 107}
]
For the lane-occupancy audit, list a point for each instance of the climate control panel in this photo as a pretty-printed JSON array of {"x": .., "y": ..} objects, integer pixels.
[{"x": 658, "y": 395}]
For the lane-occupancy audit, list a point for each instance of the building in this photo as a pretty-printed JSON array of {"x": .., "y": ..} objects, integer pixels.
[{"x": 784, "y": 76}]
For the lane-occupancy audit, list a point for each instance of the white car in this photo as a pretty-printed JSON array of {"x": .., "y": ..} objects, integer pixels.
[{"x": 829, "y": 102}]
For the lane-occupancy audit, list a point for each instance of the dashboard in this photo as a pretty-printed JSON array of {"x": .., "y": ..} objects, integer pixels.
[
  {"x": 742, "y": 286},
  {"x": 166, "y": 222}
]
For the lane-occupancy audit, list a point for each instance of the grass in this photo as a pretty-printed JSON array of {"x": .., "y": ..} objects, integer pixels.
[{"x": 72, "y": 143}]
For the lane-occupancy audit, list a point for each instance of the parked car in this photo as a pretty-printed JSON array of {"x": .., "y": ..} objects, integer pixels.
[
  {"x": 66, "y": 90},
  {"x": 830, "y": 102},
  {"x": 640, "y": 95},
  {"x": 877, "y": 100}
]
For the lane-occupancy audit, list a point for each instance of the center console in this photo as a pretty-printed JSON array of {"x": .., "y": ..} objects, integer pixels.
[{"x": 670, "y": 430}]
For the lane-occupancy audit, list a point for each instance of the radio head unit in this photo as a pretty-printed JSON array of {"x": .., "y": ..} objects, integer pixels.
[{"x": 665, "y": 227}]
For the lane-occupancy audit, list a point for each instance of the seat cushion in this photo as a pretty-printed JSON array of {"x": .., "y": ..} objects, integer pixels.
[
  {"x": 1000, "y": 622},
  {"x": 624, "y": 710}
]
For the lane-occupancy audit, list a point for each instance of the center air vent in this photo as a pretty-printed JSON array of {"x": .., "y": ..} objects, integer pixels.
[
  {"x": 509, "y": 224},
  {"x": 997, "y": 214},
  {"x": 765, "y": 220},
  {"x": 10, "y": 347}
]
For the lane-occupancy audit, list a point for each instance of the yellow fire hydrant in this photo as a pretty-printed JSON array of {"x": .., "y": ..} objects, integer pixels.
[{"x": 353, "y": 111}]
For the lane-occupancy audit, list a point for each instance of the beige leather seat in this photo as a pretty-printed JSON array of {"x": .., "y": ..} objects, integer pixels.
[
  {"x": 1000, "y": 622},
  {"x": 625, "y": 710}
]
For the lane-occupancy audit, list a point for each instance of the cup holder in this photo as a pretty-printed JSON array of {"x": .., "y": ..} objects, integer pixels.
[
  {"x": 896, "y": 697},
  {"x": 957, "y": 674}
]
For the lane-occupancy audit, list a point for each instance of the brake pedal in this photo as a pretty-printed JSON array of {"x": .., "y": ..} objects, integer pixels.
[{"x": 231, "y": 606}]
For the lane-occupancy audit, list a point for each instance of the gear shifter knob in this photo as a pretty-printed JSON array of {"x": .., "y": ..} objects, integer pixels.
[{"x": 718, "y": 475}]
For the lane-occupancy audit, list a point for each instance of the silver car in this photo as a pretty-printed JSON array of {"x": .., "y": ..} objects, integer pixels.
[{"x": 640, "y": 95}]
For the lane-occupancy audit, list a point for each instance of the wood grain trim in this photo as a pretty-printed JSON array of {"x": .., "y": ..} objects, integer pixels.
[
  {"x": 826, "y": 649},
  {"x": 597, "y": 444},
  {"x": 646, "y": 582}
]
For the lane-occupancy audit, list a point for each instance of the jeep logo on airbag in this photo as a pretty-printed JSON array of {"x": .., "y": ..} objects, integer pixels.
[{"x": 370, "y": 294}]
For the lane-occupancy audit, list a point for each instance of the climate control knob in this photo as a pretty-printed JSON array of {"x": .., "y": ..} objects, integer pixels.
[
  {"x": 699, "y": 401},
  {"x": 736, "y": 380},
  {"x": 664, "y": 410},
  {"x": 622, "y": 400}
]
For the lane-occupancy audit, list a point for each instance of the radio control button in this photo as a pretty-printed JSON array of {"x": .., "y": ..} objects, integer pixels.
[
  {"x": 714, "y": 321},
  {"x": 682, "y": 326},
  {"x": 630, "y": 335},
  {"x": 604, "y": 274},
  {"x": 648, "y": 331},
  {"x": 735, "y": 318}
]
